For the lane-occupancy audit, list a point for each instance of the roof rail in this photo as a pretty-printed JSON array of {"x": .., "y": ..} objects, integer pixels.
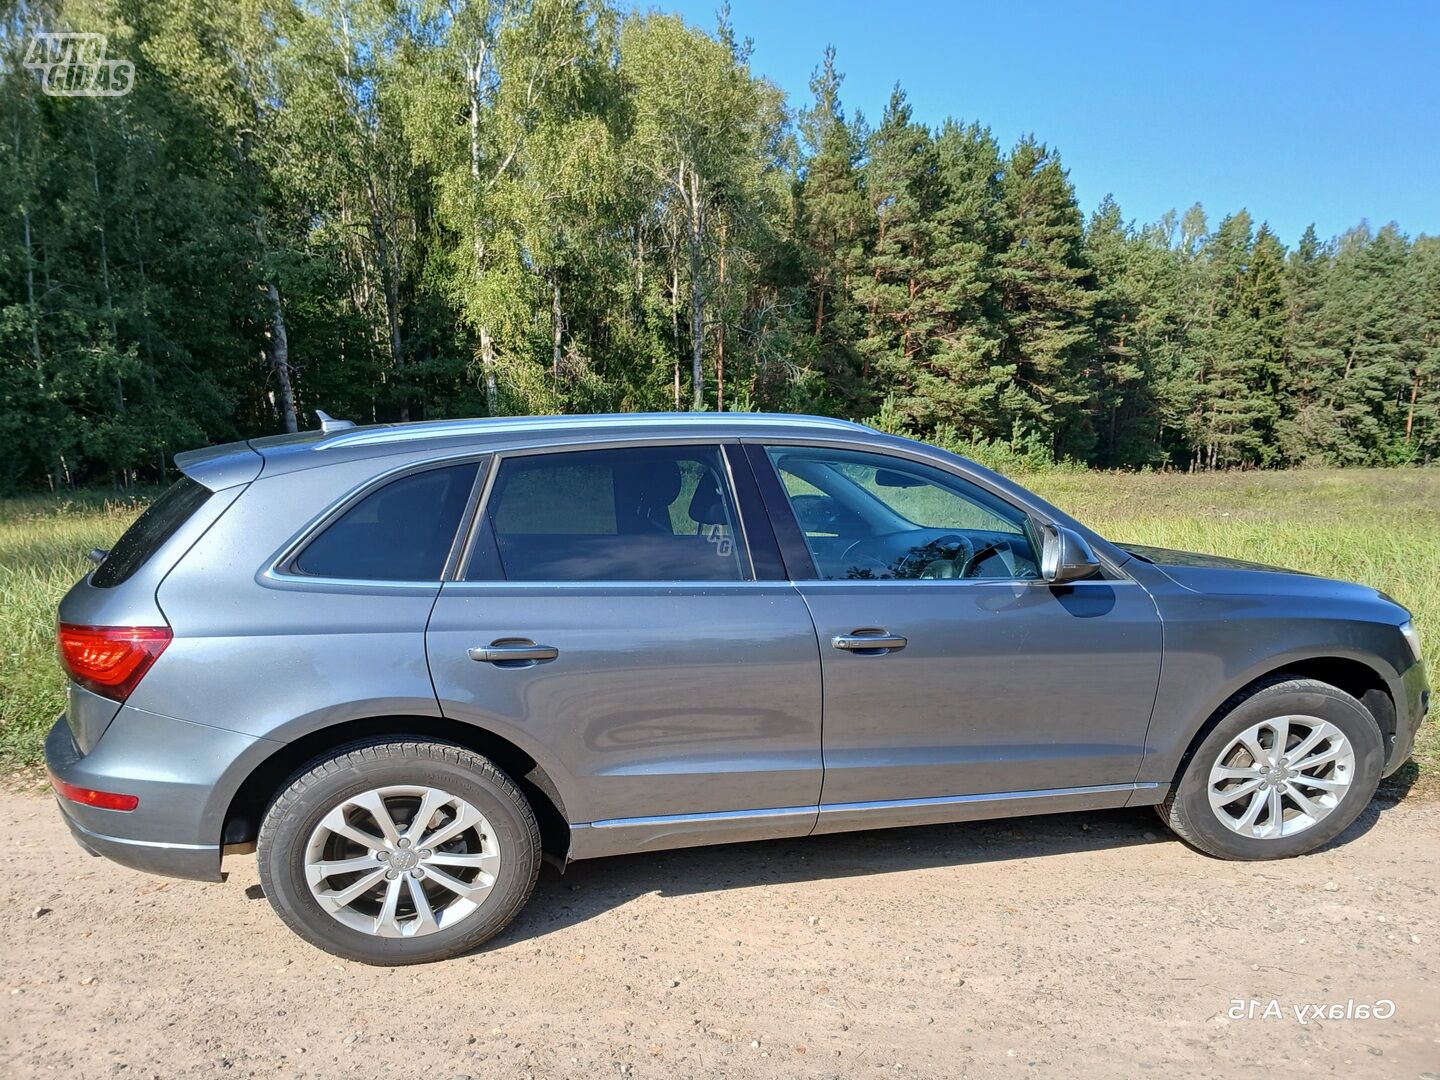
[{"x": 502, "y": 425}]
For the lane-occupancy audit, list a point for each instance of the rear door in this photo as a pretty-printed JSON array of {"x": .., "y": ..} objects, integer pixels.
[{"x": 624, "y": 619}]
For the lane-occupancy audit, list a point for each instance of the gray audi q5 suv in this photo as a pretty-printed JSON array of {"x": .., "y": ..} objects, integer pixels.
[{"x": 403, "y": 662}]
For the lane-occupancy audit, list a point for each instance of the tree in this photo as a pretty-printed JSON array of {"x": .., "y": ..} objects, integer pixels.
[
  {"x": 1422, "y": 411},
  {"x": 1049, "y": 298},
  {"x": 698, "y": 119},
  {"x": 903, "y": 187},
  {"x": 835, "y": 226},
  {"x": 957, "y": 380},
  {"x": 224, "y": 55},
  {"x": 422, "y": 208}
]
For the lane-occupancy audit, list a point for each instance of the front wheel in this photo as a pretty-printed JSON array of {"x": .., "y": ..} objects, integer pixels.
[
  {"x": 1284, "y": 772},
  {"x": 399, "y": 852}
]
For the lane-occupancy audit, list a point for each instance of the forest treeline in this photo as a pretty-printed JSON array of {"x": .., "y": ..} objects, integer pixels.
[{"x": 407, "y": 210}]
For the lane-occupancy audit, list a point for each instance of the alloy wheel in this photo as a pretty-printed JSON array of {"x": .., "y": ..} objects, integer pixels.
[
  {"x": 1281, "y": 776},
  {"x": 402, "y": 861}
]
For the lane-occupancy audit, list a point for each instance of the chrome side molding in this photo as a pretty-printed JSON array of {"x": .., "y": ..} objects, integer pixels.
[{"x": 615, "y": 836}]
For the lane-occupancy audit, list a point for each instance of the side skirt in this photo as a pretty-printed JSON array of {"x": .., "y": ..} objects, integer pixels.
[{"x": 621, "y": 836}]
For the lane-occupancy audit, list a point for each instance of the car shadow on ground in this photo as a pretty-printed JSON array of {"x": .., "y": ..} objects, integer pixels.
[{"x": 591, "y": 888}]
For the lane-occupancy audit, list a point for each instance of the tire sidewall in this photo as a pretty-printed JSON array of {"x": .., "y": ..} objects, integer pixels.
[
  {"x": 294, "y": 817},
  {"x": 1355, "y": 723}
]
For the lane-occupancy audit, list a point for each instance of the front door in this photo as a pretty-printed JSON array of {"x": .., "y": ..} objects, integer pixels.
[
  {"x": 612, "y": 625},
  {"x": 950, "y": 669}
]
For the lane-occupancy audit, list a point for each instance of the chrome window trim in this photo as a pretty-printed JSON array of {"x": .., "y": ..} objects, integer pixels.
[
  {"x": 618, "y": 587},
  {"x": 277, "y": 572},
  {"x": 951, "y": 582}
]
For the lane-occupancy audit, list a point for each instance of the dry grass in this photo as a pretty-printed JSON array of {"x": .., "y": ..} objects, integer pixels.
[
  {"x": 1380, "y": 527},
  {"x": 43, "y": 541}
]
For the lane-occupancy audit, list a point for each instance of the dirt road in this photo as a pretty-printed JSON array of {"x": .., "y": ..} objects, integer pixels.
[{"x": 1087, "y": 944}]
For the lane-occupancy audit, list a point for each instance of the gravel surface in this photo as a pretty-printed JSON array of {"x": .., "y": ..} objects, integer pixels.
[{"x": 1091, "y": 944}]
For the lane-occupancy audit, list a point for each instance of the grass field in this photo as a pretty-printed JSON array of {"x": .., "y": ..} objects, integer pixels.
[{"x": 1380, "y": 527}]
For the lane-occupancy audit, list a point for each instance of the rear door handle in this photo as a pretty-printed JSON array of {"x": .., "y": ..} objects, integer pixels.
[
  {"x": 513, "y": 649},
  {"x": 870, "y": 642}
]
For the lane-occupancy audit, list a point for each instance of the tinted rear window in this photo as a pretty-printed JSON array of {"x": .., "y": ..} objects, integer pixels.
[
  {"x": 400, "y": 532},
  {"x": 660, "y": 513},
  {"x": 149, "y": 532}
]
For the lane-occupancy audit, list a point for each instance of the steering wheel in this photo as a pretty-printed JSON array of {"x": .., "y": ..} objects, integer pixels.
[
  {"x": 1002, "y": 548},
  {"x": 947, "y": 556}
]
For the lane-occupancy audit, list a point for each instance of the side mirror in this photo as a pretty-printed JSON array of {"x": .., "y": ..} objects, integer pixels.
[{"x": 1065, "y": 556}]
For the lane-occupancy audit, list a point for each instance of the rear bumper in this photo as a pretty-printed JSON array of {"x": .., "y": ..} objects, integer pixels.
[
  {"x": 197, "y": 862},
  {"x": 175, "y": 769}
]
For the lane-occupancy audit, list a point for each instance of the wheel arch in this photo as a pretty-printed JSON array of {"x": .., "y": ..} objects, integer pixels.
[
  {"x": 264, "y": 780},
  {"x": 1361, "y": 680}
]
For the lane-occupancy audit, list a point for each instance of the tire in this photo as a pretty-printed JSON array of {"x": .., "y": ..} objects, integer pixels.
[
  {"x": 470, "y": 884},
  {"x": 1311, "y": 815}
]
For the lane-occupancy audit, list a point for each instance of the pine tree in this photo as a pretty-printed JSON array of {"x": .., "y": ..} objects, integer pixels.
[
  {"x": 1241, "y": 338},
  {"x": 903, "y": 189},
  {"x": 1304, "y": 415},
  {"x": 1127, "y": 376},
  {"x": 959, "y": 378},
  {"x": 834, "y": 226},
  {"x": 1361, "y": 333},
  {"x": 1049, "y": 299},
  {"x": 1422, "y": 404}
]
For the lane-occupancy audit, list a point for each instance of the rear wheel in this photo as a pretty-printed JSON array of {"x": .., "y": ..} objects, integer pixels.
[
  {"x": 1285, "y": 771},
  {"x": 399, "y": 852}
]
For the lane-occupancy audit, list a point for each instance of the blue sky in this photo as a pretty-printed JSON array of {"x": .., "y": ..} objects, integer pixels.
[{"x": 1298, "y": 112}]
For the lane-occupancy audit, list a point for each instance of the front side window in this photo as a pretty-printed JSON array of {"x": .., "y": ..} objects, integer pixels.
[
  {"x": 875, "y": 517},
  {"x": 654, "y": 513},
  {"x": 399, "y": 532}
]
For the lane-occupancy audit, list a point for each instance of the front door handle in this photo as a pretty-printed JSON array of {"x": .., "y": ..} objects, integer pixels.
[
  {"x": 869, "y": 642},
  {"x": 513, "y": 649}
]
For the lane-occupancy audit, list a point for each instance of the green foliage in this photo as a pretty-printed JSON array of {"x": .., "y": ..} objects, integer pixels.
[{"x": 409, "y": 209}]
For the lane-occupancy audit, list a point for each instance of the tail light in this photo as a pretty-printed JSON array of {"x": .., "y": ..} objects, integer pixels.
[{"x": 110, "y": 660}]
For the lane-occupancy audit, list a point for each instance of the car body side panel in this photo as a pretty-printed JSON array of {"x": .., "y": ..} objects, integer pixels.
[
  {"x": 1002, "y": 686},
  {"x": 274, "y": 657},
  {"x": 130, "y": 603},
  {"x": 666, "y": 698},
  {"x": 1224, "y": 628}
]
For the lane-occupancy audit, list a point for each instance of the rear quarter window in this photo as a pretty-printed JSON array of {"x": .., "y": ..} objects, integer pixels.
[
  {"x": 149, "y": 532},
  {"x": 401, "y": 531}
]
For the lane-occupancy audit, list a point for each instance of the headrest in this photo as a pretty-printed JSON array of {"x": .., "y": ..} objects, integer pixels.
[
  {"x": 706, "y": 505},
  {"x": 658, "y": 482}
]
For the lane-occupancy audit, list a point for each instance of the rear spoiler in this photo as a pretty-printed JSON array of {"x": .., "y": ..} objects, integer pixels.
[{"x": 219, "y": 467}]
